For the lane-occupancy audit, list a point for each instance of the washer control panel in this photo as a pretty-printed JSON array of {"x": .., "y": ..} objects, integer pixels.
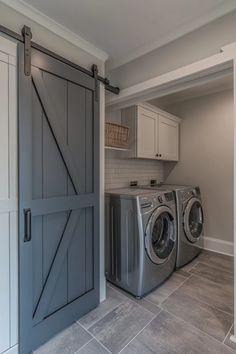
[
  {"x": 169, "y": 196},
  {"x": 156, "y": 199}
]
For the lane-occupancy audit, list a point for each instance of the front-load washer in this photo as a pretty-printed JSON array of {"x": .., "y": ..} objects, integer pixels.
[
  {"x": 189, "y": 213},
  {"x": 189, "y": 222},
  {"x": 140, "y": 238}
]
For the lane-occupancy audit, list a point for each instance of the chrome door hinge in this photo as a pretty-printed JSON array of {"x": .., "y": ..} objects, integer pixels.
[{"x": 26, "y": 32}]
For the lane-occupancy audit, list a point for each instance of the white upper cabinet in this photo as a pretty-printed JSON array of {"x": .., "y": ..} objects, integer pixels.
[
  {"x": 168, "y": 139},
  {"x": 146, "y": 133},
  {"x": 154, "y": 134}
]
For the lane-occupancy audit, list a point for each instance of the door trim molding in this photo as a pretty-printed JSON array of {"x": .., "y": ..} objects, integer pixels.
[{"x": 12, "y": 350}]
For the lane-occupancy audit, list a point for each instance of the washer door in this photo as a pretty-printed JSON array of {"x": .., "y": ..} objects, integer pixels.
[
  {"x": 160, "y": 235},
  {"x": 193, "y": 219}
]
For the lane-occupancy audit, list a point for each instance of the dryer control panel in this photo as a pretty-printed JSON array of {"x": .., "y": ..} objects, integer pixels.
[{"x": 188, "y": 193}]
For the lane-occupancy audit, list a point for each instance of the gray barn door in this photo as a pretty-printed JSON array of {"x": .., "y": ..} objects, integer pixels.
[{"x": 58, "y": 198}]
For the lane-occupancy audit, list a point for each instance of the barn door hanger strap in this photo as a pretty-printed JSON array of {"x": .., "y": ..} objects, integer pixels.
[
  {"x": 95, "y": 75},
  {"x": 27, "y": 35}
]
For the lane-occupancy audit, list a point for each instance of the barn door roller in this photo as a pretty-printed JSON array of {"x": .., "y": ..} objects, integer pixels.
[{"x": 27, "y": 35}]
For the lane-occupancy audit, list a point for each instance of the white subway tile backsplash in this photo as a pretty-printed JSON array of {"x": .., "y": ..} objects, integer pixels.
[{"x": 120, "y": 171}]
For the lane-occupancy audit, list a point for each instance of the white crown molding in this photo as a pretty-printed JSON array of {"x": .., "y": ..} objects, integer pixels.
[
  {"x": 209, "y": 16},
  {"x": 53, "y": 26}
]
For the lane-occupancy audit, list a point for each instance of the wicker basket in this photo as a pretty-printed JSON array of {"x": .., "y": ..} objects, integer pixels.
[{"x": 116, "y": 135}]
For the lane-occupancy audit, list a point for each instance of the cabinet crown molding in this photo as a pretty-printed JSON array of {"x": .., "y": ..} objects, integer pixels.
[{"x": 159, "y": 111}]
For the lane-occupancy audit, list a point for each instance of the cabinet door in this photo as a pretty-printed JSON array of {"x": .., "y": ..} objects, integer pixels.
[
  {"x": 168, "y": 141},
  {"x": 146, "y": 133}
]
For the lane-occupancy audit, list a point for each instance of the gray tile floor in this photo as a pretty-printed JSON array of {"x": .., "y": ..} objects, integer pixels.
[{"x": 191, "y": 313}]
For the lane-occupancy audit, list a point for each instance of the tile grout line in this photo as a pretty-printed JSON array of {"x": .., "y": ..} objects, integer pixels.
[
  {"x": 197, "y": 329},
  {"x": 77, "y": 351},
  {"x": 130, "y": 299},
  {"x": 139, "y": 332},
  {"x": 96, "y": 339},
  {"x": 177, "y": 287},
  {"x": 204, "y": 302},
  {"x": 78, "y": 321},
  {"x": 212, "y": 265},
  {"x": 180, "y": 285},
  {"x": 202, "y": 276},
  {"x": 194, "y": 265},
  {"x": 186, "y": 278},
  {"x": 171, "y": 292},
  {"x": 228, "y": 333},
  {"x": 215, "y": 266},
  {"x": 102, "y": 317}
]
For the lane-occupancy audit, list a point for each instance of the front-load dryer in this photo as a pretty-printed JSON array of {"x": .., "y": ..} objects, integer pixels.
[
  {"x": 140, "y": 238},
  {"x": 189, "y": 222}
]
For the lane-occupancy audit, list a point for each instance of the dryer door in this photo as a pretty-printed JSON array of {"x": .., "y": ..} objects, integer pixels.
[
  {"x": 193, "y": 219},
  {"x": 160, "y": 235}
]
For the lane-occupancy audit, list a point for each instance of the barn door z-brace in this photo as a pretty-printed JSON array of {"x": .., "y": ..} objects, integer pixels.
[{"x": 26, "y": 38}]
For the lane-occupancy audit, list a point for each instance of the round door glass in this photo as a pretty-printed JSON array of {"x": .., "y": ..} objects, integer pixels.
[
  {"x": 196, "y": 220},
  {"x": 163, "y": 236}
]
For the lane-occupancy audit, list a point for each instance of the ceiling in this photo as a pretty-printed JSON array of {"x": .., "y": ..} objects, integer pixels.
[{"x": 127, "y": 29}]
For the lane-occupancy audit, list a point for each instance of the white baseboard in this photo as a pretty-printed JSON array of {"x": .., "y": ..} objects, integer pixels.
[
  {"x": 233, "y": 339},
  {"x": 12, "y": 350},
  {"x": 220, "y": 246}
]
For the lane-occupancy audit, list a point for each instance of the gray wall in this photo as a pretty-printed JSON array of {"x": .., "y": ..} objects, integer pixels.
[
  {"x": 194, "y": 46},
  {"x": 206, "y": 158}
]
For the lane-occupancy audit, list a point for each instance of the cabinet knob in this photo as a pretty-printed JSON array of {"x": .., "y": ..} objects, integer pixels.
[
  {"x": 157, "y": 155},
  {"x": 160, "y": 155}
]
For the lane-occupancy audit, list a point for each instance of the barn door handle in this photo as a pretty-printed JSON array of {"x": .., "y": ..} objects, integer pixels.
[{"x": 27, "y": 223}]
